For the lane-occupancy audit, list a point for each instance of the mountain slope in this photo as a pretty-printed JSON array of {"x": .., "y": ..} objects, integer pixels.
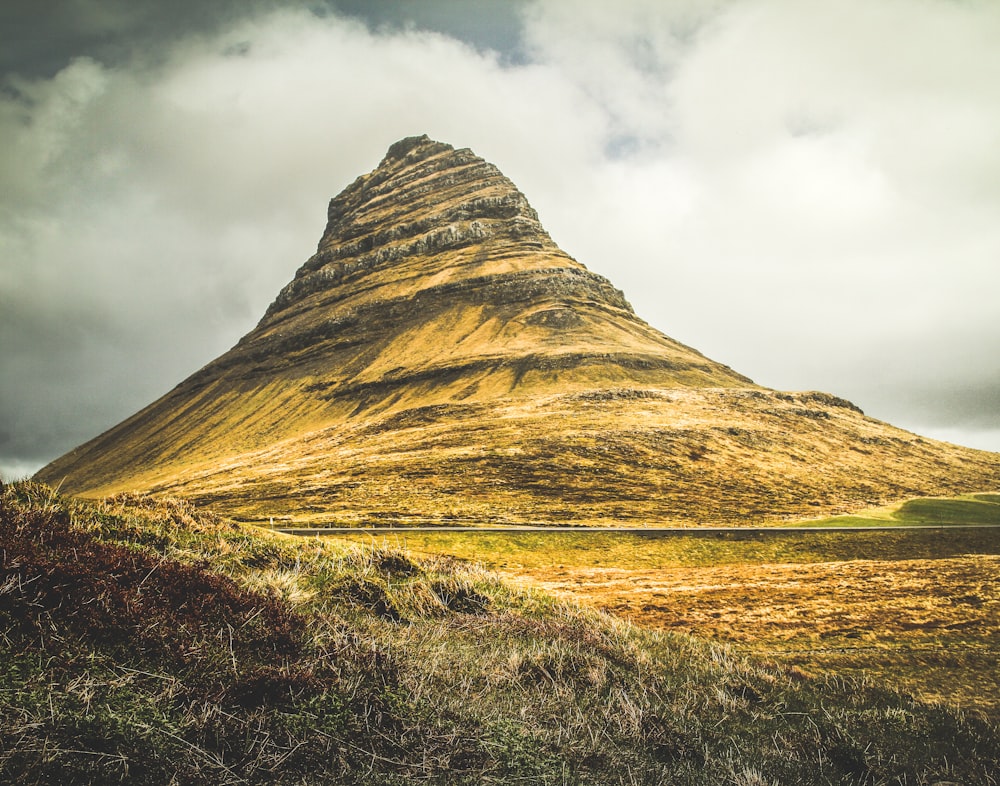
[{"x": 440, "y": 358}]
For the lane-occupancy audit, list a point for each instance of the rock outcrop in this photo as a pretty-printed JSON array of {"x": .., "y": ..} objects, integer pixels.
[{"x": 439, "y": 358}]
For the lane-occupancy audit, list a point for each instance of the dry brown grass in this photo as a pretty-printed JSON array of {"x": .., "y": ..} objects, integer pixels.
[
  {"x": 147, "y": 643},
  {"x": 917, "y": 609},
  {"x": 894, "y": 617}
]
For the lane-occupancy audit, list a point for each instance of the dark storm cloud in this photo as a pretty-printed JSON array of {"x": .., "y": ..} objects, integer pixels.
[
  {"x": 486, "y": 24},
  {"x": 39, "y": 37}
]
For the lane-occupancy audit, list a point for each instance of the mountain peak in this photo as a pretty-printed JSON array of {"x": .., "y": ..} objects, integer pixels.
[
  {"x": 423, "y": 204},
  {"x": 402, "y": 148},
  {"x": 445, "y": 266}
]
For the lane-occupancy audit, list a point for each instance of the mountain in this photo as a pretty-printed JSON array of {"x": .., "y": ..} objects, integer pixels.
[{"x": 440, "y": 359}]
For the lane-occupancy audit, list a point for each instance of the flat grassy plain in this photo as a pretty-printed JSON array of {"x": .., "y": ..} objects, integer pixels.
[
  {"x": 965, "y": 510},
  {"x": 918, "y": 609}
]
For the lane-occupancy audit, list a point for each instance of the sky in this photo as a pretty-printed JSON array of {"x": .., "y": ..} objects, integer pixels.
[{"x": 805, "y": 190}]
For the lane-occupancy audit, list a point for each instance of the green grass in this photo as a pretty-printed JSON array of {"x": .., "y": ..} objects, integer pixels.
[
  {"x": 969, "y": 509},
  {"x": 635, "y": 551},
  {"x": 979, "y": 509},
  {"x": 145, "y": 642}
]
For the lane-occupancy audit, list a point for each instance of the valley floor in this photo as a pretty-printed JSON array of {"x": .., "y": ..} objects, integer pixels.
[
  {"x": 918, "y": 609},
  {"x": 931, "y": 627}
]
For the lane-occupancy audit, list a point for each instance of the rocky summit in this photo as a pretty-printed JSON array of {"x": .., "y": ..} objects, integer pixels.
[{"x": 440, "y": 360}]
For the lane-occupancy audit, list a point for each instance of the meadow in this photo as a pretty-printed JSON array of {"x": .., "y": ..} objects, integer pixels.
[{"x": 916, "y": 608}]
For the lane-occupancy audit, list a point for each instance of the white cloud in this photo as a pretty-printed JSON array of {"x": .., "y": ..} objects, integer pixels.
[{"x": 623, "y": 56}]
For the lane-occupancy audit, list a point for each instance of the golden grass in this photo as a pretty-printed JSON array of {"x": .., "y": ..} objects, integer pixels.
[
  {"x": 654, "y": 456},
  {"x": 914, "y": 608}
]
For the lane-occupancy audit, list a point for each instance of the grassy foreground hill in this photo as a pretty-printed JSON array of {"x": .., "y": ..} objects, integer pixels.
[{"x": 144, "y": 641}]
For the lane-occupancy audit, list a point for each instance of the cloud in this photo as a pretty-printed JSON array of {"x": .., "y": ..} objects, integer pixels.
[
  {"x": 808, "y": 195},
  {"x": 623, "y": 58}
]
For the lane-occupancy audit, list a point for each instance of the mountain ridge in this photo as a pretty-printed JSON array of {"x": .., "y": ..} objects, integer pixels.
[{"x": 439, "y": 356}]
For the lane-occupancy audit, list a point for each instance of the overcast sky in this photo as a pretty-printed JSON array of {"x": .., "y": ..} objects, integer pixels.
[{"x": 807, "y": 191}]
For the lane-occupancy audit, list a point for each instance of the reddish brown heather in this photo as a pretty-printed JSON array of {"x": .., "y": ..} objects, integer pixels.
[{"x": 63, "y": 593}]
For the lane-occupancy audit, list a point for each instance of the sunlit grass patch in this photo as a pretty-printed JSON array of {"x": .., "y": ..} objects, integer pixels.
[
  {"x": 968, "y": 509},
  {"x": 976, "y": 509},
  {"x": 635, "y": 551}
]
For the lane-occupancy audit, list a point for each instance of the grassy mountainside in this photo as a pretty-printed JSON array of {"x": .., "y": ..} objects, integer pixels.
[
  {"x": 440, "y": 358},
  {"x": 145, "y": 642},
  {"x": 434, "y": 283},
  {"x": 696, "y": 456},
  {"x": 620, "y": 456}
]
